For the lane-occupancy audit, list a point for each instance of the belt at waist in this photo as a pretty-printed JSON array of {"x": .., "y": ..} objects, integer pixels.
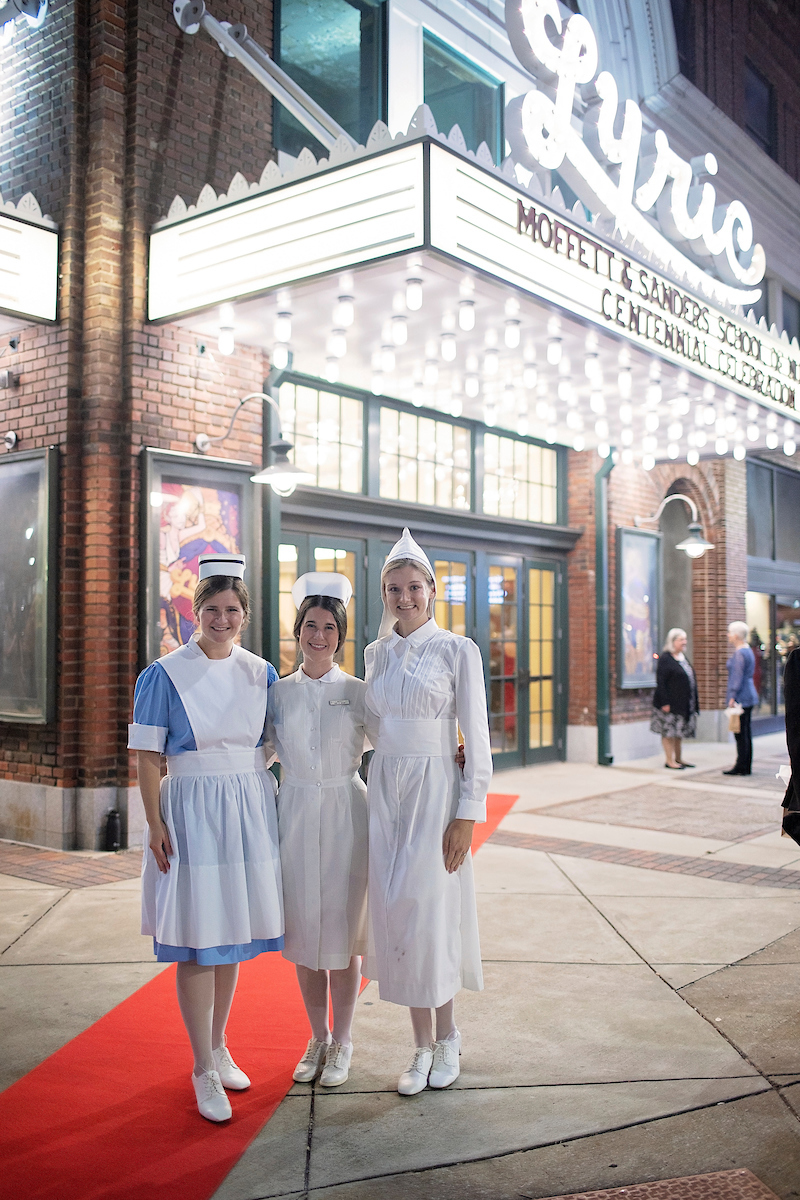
[
  {"x": 418, "y": 739},
  {"x": 337, "y": 781},
  {"x": 217, "y": 762}
]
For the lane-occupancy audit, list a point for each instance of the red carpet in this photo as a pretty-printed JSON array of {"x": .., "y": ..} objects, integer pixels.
[{"x": 111, "y": 1115}]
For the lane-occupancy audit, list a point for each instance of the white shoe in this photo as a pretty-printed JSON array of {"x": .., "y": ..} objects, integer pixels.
[
  {"x": 415, "y": 1079},
  {"x": 231, "y": 1076},
  {"x": 446, "y": 1068},
  {"x": 309, "y": 1066},
  {"x": 337, "y": 1064},
  {"x": 212, "y": 1102}
]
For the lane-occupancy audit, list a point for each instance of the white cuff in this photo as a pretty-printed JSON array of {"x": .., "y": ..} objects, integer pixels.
[
  {"x": 147, "y": 737},
  {"x": 471, "y": 810}
]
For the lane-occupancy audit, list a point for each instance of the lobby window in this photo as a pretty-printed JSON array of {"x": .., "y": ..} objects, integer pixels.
[
  {"x": 423, "y": 461},
  {"x": 520, "y": 480},
  {"x": 327, "y": 431},
  {"x": 760, "y": 533},
  {"x": 759, "y": 109},
  {"x": 335, "y": 51},
  {"x": 460, "y": 93},
  {"x": 791, "y": 316},
  {"x": 683, "y": 21}
]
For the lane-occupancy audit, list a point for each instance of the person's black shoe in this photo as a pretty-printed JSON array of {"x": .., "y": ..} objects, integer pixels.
[
  {"x": 687, "y": 766},
  {"x": 733, "y": 771}
]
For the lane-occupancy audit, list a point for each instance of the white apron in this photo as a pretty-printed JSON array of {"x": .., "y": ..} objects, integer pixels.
[
  {"x": 317, "y": 729},
  {"x": 223, "y": 887},
  {"x": 424, "y": 942}
]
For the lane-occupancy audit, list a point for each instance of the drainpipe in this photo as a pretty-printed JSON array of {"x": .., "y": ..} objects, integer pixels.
[{"x": 604, "y": 756}]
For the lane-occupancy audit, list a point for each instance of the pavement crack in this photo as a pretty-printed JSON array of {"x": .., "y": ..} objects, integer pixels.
[
  {"x": 33, "y": 924},
  {"x": 309, "y": 1139}
]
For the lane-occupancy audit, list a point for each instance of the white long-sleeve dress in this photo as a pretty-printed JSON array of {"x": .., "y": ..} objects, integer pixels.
[
  {"x": 424, "y": 942},
  {"x": 317, "y": 727}
]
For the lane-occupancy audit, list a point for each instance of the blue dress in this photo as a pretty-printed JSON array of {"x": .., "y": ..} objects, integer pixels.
[{"x": 221, "y": 901}]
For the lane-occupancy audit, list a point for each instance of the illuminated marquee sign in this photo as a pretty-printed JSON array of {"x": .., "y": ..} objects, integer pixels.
[
  {"x": 627, "y": 176},
  {"x": 421, "y": 196}
]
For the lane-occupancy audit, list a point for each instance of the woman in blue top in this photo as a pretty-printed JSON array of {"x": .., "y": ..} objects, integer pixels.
[
  {"x": 741, "y": 690},
  {"x": 211, "y": 880}
]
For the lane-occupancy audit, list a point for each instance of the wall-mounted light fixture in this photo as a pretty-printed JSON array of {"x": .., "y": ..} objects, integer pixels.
[
  {"x": 33, "y": 12},
  {"x": 694, "y": 545}
]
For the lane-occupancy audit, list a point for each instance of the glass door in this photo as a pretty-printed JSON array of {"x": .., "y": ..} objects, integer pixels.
[
  {"x": 505, "y": 638},
  {"x": 544, "y": 724},
  {"x": 300, "y": 552}
]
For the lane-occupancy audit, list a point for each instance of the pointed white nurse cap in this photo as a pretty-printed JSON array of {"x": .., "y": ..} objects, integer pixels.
[
  {"x": 406, "y": 547},
  {"x": 322, "y": 583},
  {"x": 231, "y": 565}
]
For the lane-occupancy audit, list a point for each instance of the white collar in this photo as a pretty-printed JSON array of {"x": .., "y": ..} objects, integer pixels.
[
  {"x": 417, "y": 638},
  {"x": 329, "y": 676},
  {"x": 194, "y": 648}
]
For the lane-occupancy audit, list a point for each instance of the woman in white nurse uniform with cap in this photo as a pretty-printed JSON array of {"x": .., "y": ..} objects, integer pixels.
[
  {"x": 422, "y": 683},
  {"x": 211, "y": 882},
  {"x": 317, "y": 726}
]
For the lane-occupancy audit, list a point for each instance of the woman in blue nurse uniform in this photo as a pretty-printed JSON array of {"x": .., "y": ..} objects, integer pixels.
[{"x": 211, "y": 881}]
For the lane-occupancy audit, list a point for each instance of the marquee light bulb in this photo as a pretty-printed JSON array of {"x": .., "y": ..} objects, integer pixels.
[
  {"x": 332, "y": 369},
  {"x": 387, "y": 359},
  {"x": 489, "y": 414},
  {"x": 542, "y": 410},
  {"x": 752, "y": 433},
  {"x": 604, "y": 449},
  {"x": 448, "y": 347},
  {"x": 472, "y": 386},
  {"x": 753, "y": 412},
  {"x": 673, "y": 450},
  {"x": 625, "y": 414},
  {"x": 554, "y": 351},
  {"x": 597, "y": 403},
  {"x": 512, "y": 334},
  {"x": 522, "y": 426},
  {"x": 399, "y": 330},
  {"x": 377, "y": 384},
  {"x": 283, "y": 327},
  {"x": 654, "y": 394},
  {"x": 651, "y": 422},
  {"x": 550, "y": 435},
  {"x": 709, "y": 414},
  {"x": 625, "y": 384},
  {"x": 627, "y": 457},
  {"x": 772, "y": 440},
  {"x": 529, "y": 375},
  {"x": 626, "y": 436},
  {"x": 491, "y": 361},
  {"x": 413, "y": 294},
  {"x": 675, "y": 431},
  {"x": 466, "y": 315},
  {"x": 739, "y": 451},
  {"x": 693, "y": 458},
  {"x": 280, "y": 357},
  {"x": 579, "y": 443},
  {"x": 417, "y": 394},
  {"x": 721, "y": 445},
  {"x": 789, "y": 447},
  {"x": 344, "y": 312},
  {"x": 601, "y": 429},
  {"x": 431, "y": 373},
  {"x": 337, "y": 344},
  {"x": 226, "y": 343},
  {"x": 648, "y": 462},
  {"x": 700, "y": 438}
]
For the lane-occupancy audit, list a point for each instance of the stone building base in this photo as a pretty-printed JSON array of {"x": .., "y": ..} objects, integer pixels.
[{"x": 67, "y": 818}]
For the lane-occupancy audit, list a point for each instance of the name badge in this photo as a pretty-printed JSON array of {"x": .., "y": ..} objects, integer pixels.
[{"x": 333, "y": 703}]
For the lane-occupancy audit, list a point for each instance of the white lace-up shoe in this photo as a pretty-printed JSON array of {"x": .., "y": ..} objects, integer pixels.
[
  {"x": 337, "y": 1064},
  {"x": 232, "y": 1076},
  {"x": 212, "y": 1102},
  {"x": 415, "y": 1079},
  {"x": 446, "y": 1068},
  {"x": 309, "y": 1066}
]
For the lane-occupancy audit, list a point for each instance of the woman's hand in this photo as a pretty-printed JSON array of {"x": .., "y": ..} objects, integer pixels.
[
  {"x": 460, "y": 759},
  {"x": 731, "y": 702},
  {"x": 160, "y": 845},
  {"x": 665, "y": 708},
  {"x": 456, "y": 844}
]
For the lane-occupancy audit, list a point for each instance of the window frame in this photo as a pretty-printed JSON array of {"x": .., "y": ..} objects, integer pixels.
[
  {"x": 771, "y": 148},
  {"x": 430, "y": 35}
]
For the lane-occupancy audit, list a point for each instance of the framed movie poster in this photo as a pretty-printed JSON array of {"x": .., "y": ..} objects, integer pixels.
[
  {"x": 192, "y": 506},
  {"x": 638, "y": 607},
  {"x": 28, "y": 502}
]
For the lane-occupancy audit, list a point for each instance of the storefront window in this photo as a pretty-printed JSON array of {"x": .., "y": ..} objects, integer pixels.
[
  {"x": 787, "y": 638},
  {"x": 451, "y": 596},
  {"x": 459, "y": 93},
  {"x": 758, "y": 615},
  {"x": 520, "y": 480},
  {"x": 334, "y": 49},
  {"x": 760, "y": 541},
  {"x": 787, "y": 507},
  {"x": 329, "y": 558},
  {"x": 327, "y": 431},
  {"x": 423, "y": 461}
]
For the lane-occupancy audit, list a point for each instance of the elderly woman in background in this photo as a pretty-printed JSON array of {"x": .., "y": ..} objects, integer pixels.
[
  {"x": 741, "y": 690},
  {"x": 675, "y": 706}
]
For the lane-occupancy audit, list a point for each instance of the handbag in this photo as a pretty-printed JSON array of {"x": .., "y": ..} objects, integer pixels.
[{"x": 735, "y": 718}]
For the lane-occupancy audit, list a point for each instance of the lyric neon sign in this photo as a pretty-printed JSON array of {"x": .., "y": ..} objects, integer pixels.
[{"x": 614, "y": 168}]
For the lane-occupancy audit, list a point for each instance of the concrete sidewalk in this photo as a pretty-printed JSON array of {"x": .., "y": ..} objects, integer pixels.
[{"x": 640, "y": 1019}]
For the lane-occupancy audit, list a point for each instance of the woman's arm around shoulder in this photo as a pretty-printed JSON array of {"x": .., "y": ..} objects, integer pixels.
[{"x": 470, "y": 692}]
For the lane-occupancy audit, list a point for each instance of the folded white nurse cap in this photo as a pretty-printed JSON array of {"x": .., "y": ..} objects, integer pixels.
[
  {"x": 232, "y": 565},
  {"x": 322, "y": 583},
  {"x": 406, "y": 547}
]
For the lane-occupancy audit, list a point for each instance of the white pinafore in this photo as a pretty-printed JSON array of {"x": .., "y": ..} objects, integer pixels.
[{"x": 223, "y": 887}]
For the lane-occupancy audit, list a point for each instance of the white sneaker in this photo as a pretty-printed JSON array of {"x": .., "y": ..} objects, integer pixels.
[
  {"x": 309, "y": 1066},
  {"x": 415, "y": 1079},
  {"x": 212, "y": 1102},
  {"x": 231, "y": 1076},
  {"x": 446, "y": 1068},
  {"x": 337, "y": 1064}
]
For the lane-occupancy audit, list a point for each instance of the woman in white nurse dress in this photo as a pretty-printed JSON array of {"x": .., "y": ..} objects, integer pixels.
[
  {"x": 317, "y": 727},
  {"x": 422, "y": 683},
  {"x": 211, "y": 883}
]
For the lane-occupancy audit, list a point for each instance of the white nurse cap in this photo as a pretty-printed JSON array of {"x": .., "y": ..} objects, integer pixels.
[
  {"x": 406, "y": 547},
  {"x": 231, "y": 565},
  {"x": 322, "y": 583}
]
